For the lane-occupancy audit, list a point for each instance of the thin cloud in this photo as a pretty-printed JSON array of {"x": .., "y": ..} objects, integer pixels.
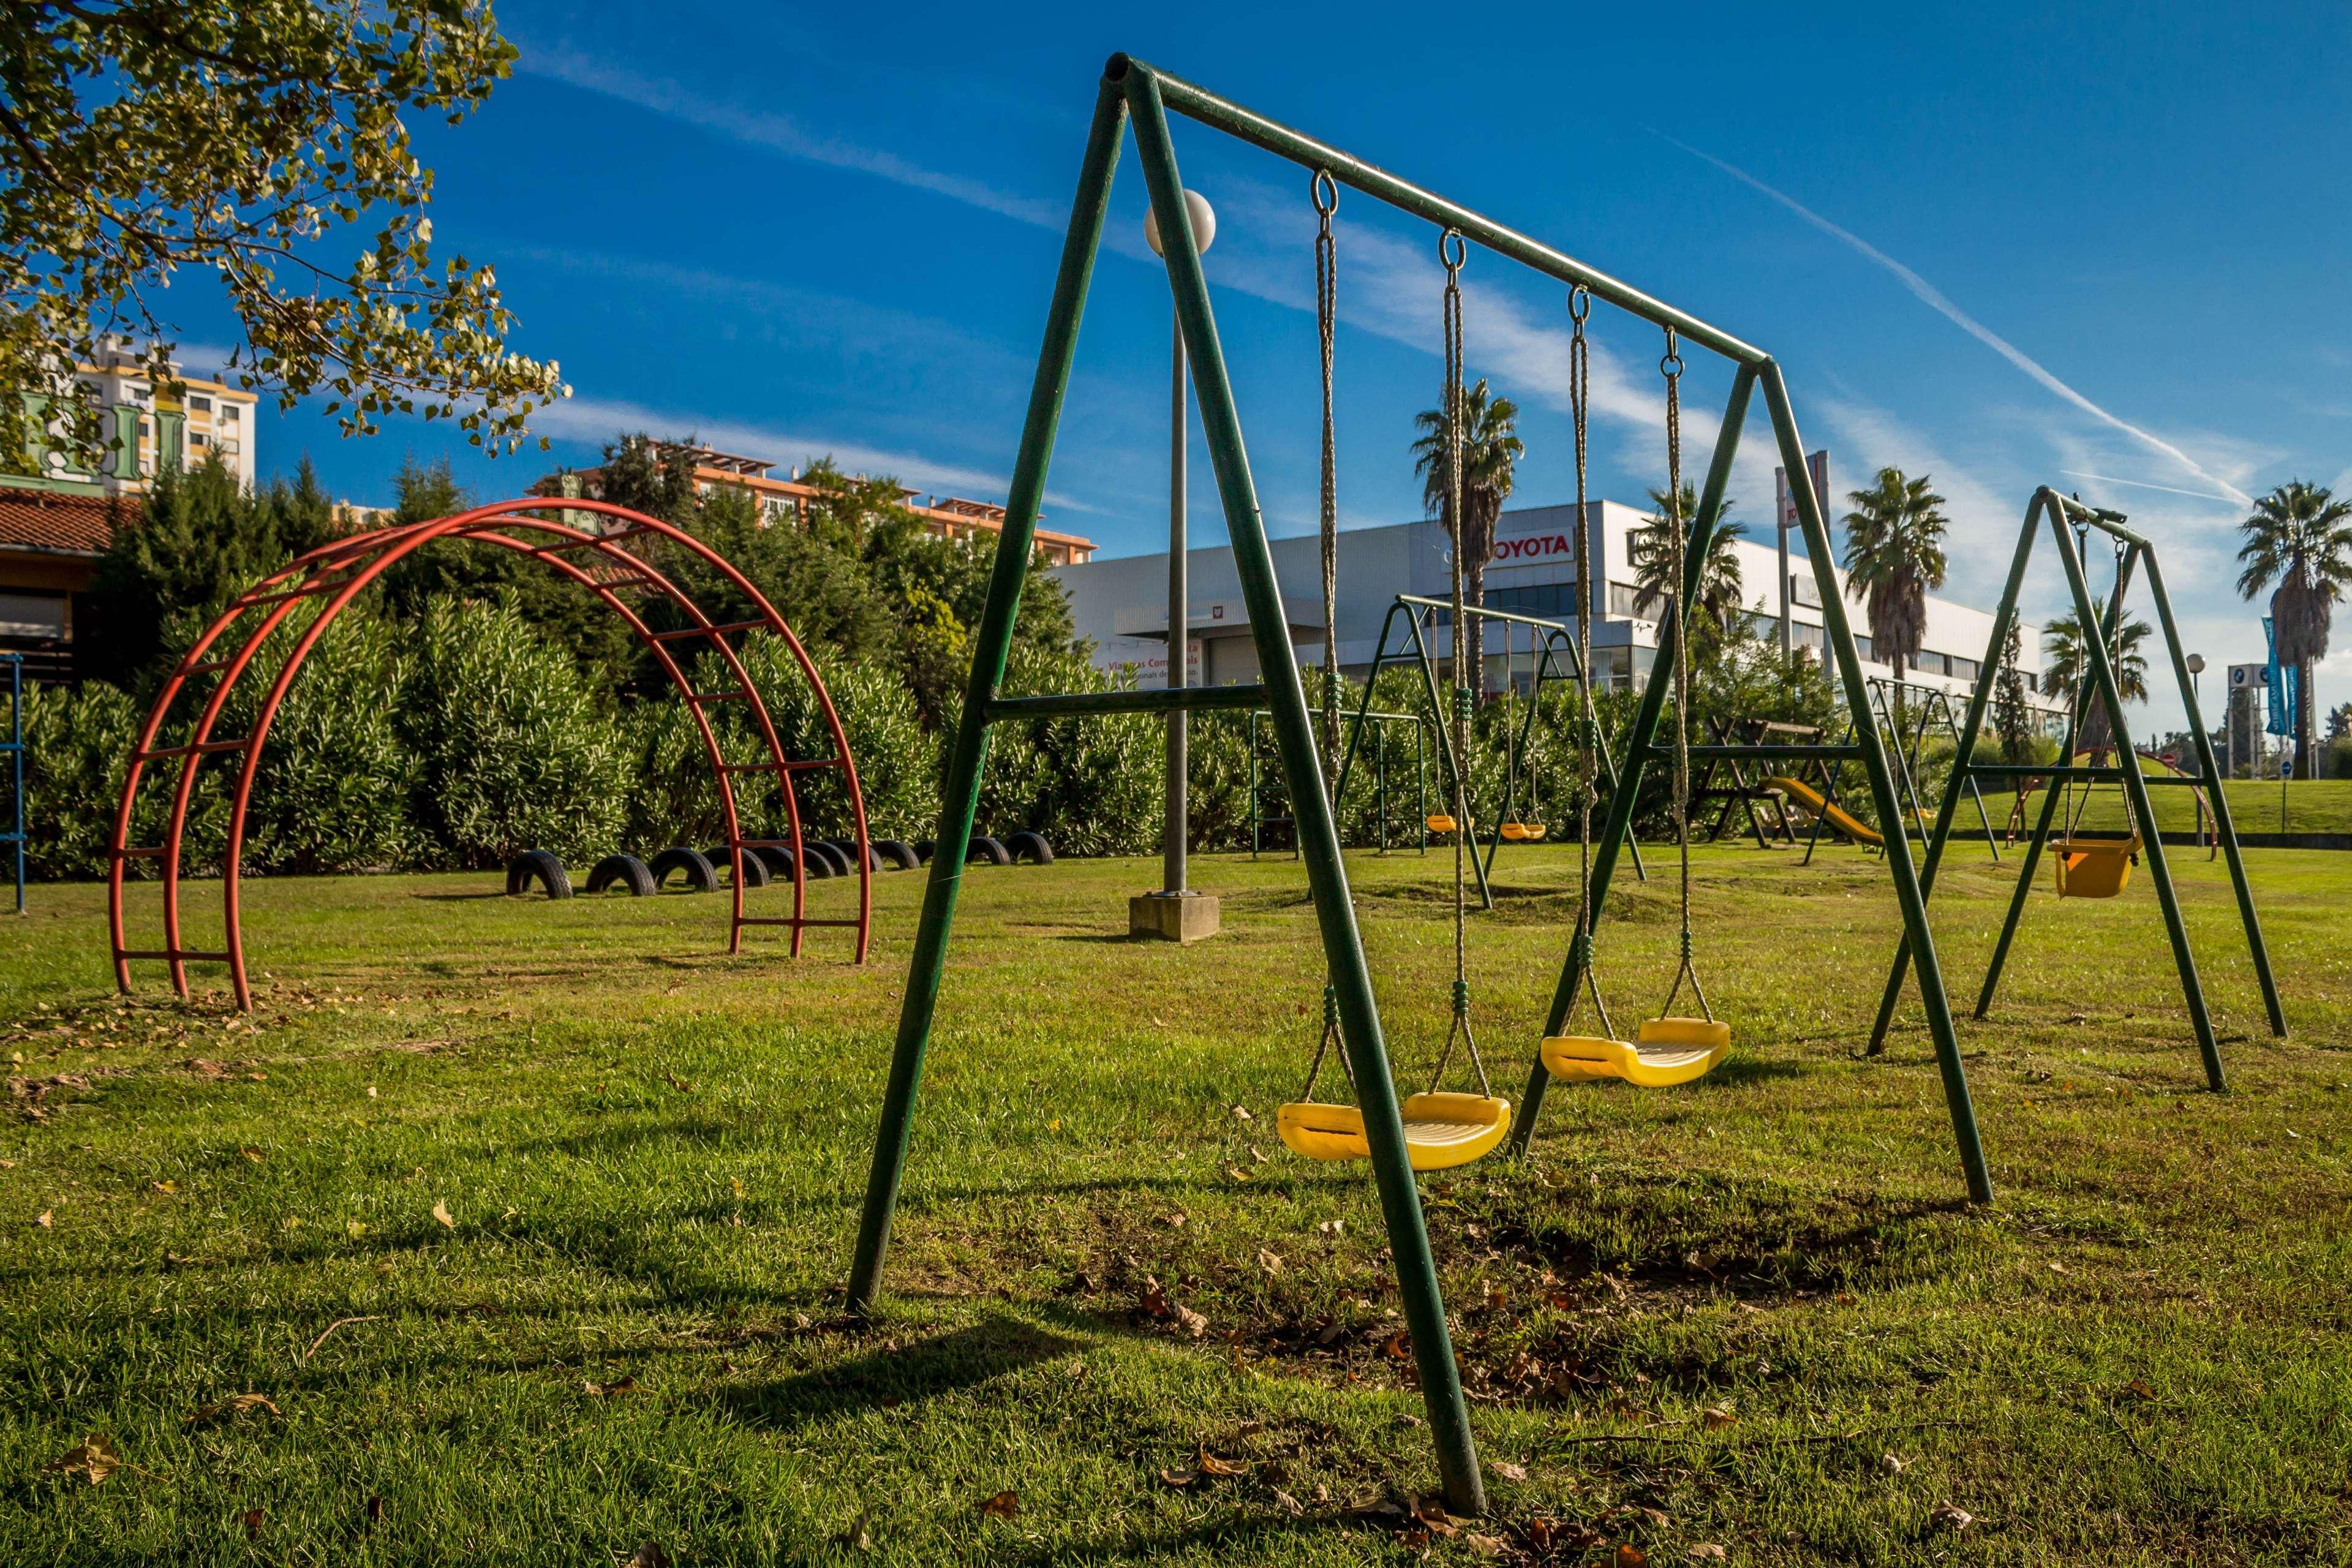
[
  {"x": 777, "y": 133},
  {"x": 2144, "y": 485},
  {"x": 1937, "y": 300}
]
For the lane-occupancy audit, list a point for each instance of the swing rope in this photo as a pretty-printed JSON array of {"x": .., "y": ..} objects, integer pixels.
[
  {"x": 1325, "y": 195},
  {"x": 1452, "y": 250},
  {"x": 1670, "y": 365},
  {"x": 1579, "y": 379}
]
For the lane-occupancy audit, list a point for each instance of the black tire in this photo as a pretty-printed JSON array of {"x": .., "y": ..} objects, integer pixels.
[
  {"x": 897, "y": 854},
  {"x": 626, "y": 871},
  {"x": 699, "y": 876},
  {"x": 819, "y": 863},
  {"x": 541, "y": 864},
  {"x": 834, "y": 862},
  {"x": 755, "y": 870},
  {"x": 847, "y": 849},
  {"x": 1029, "y": 847},
  {"x": 924, "y": 848},
  {"x": 987, "y": 849},
  {"x": 778, "y": 859}
]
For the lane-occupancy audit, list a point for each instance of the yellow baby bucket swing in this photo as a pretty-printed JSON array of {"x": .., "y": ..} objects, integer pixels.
[
  {"x": 2098, "y": 868},
  {"x": 1442, "y": 1129},
  {"x": 1666, "y": 1050}
]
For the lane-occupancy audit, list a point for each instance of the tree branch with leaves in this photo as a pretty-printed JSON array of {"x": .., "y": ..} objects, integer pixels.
[{"x": 143, "y": 139}]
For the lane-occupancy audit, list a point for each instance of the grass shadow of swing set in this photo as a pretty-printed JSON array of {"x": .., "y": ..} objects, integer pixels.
[{"x": 1436, "y": 1128}]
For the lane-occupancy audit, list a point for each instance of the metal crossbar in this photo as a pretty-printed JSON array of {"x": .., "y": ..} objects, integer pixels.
[{"x": 1078, "y": 704}]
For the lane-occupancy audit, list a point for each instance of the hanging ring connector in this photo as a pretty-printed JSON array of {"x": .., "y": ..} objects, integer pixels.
[
  {"x": 1452, "y": 250},
  {"x": 1579, "y": 304},
  {"x": 1326, "y": 193}
]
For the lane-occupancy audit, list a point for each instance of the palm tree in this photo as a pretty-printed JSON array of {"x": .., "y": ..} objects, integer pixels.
[
  {"x": 2299, "y": 537},
  {"x": 1894, "y": 553},
  {"x": 1491, "y": 451},
  {"x": 2067, "y": 667},
  {"x": 1650, "y": 550}
]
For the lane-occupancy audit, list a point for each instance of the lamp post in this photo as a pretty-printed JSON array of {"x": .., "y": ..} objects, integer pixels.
[
  {"x": 2196, "y": 663},
  {"x": 1176, "y": 913}
]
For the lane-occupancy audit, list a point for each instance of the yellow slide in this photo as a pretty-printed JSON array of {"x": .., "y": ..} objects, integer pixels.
[{"x": 1804, "y": 794}]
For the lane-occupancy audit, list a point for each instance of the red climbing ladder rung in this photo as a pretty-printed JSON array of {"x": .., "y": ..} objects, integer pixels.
[
  {"x": 201, "y": 748},
  {"x": 591, "y": 541},
  {"x": 708, "y": 631},
  {"x": 789, "y": 921},
  {"x": 315, "y": 585},
  {"x": 180, "y": 955},
  {"x": 150, "y": 852},
  {"x": 206, "y": 667},
  {"x": 715, "y": 696}
]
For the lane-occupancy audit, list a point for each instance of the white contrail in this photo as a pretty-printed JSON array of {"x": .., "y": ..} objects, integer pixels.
[
  {"x": 2144, "y": 485},
  {"x": 1937, "y": 300}
]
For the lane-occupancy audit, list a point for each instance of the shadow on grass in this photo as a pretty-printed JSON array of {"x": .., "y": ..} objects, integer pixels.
[{"x": 887, "y": 1378}]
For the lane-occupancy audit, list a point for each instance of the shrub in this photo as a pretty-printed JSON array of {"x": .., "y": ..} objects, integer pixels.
[{"x": 511, "y": 751}]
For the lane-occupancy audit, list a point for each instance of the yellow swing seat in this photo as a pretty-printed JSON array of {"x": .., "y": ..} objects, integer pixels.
[
  {"x": 1665, "y": 1052},
  {"x": 1442, "y": 1130},
  {"x": 1524, "y": 832},
  {"x": 1440, "y": 822},
  {"x": 2093, "y": 867}
]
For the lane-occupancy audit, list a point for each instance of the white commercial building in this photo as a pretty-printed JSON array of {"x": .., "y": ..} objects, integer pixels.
[{"x": 1121, "y": 603}]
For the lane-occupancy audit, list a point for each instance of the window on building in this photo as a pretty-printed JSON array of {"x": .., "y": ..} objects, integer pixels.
[
  {"x": 1803, "y": 635},
  {"x": 228, "y": 413},
  {"x": 195, "y": 438},
  {"x": 1861, "y": 646},
  {"x": 1551, "y": 601},
  {"x": 1802, "y": 590},
  {"x": 1962, "y": 669},
  {"x": 38, "y": 617},
  {"x": 198, "y": 404},
  {"x": 1620, "y": 599}
]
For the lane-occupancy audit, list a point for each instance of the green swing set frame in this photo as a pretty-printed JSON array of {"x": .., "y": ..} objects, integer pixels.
[
  {"x": 1553, "y": 642},
  {"x": 2131, "y": 553},
  {"x": 1132, "y": 92}
]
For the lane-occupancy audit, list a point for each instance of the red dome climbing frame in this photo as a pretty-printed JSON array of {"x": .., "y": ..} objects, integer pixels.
[{"x": 339, "y": 572}]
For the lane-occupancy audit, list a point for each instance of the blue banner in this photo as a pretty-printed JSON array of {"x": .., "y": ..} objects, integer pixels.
[{"x": 2286, "y": 681}]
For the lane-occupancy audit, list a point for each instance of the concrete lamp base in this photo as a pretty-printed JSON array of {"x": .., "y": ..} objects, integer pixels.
[{"x": 1172, "y": 917}]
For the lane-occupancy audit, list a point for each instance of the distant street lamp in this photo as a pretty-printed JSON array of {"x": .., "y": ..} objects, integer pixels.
[
  {"x": 1177, "y": 823},
  {"x": 1176, "y": 912}
]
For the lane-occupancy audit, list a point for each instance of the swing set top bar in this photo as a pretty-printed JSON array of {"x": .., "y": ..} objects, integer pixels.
[
  {"x": 1182, "y": 98},
  {"x": 1484, "y": 614}
]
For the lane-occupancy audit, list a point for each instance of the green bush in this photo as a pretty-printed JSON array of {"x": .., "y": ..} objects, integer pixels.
[{"x": 511, "y": 750}]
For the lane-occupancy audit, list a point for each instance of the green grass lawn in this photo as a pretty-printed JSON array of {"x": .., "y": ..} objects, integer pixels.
[
  {"x": 2256, "y": 805},
  {"x": 529, "y": 1221}
]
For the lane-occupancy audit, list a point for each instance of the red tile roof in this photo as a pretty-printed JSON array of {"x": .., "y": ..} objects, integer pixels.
[{"x": 77, "y": 525}]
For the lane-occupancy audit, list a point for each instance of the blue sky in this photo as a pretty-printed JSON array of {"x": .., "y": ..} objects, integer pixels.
[{"x": 2105, "y": 250}]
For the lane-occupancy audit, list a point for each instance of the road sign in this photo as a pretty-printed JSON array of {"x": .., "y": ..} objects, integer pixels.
[{"x": 2169, "y": 759}]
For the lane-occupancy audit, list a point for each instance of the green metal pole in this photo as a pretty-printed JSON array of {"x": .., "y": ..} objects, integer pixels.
[
  {"x": 1619, "y": 827},
  {"x": 2136, "y": 788},
  {"x": 2224, "y": 831},
  {"x": 1327, "y": 875},
  {"x": 2002, "y": 618},
  {"x": 1882, "y": 788},
  {"x": 960, "y": 800}
]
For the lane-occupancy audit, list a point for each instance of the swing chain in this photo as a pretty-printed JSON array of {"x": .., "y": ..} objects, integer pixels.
[
  {"x": 1579, "y": 393},
  {"x": 1452, "y": 250},
  {"x": 1325, "y": 192},
  {"x": 1330, "y": 1037},
  {"x": 1670, "y": 365}
]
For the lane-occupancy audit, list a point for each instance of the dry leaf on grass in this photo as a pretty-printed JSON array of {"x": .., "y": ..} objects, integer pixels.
[
  {"x": 1004, "y": 1505},
  {"x": 1950, "y": 1516},
  {"x": 441, "y": 1213},
  {"x": 251, "y": 1153},
  {"x": 1213, "y": 1466},
  {"x": 1240, "y": 1113},
  {"x": 253, "y": 1518},
  {"x": 649, "y": 1556},
  {"x": 166, "y": 1188},
  {"x": 1180, "y": 1478},
  {"x": 2138, "y": 1389},
  {"x": 1288, "y": 1504},
  {"x": 93, "y": 1461},
  {"x": 1174, "y": 1221},
  {"x": 1716, "y": 1418},
  {"x": 622, "y": 1384},
  {"x": 1269, "y": 1261},
  {"x": 45, "y": 1220},
  {"x": 1892, "y": 1463},
  {"x": 1508, "y": 1470},
  {"x": 1629, "y": 1555},
  {"x": 1708, "y": 1552},
  {"x": 1191, "y": 1321},
  {"x": 235, "y": 1405},
  {"x": 1484, "y": 1545}
]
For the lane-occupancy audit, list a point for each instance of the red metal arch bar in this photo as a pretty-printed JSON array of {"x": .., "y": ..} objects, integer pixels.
[{"x": 345, "y": 568}]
